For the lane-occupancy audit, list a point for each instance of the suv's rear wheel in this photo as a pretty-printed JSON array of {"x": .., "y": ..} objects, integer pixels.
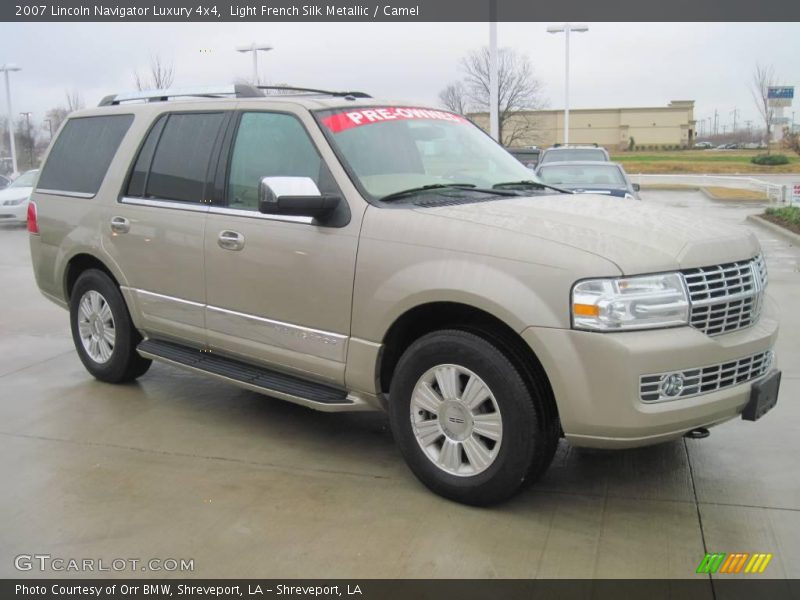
[
  {"x": 104, "y": 335},
  {"x": 464, "y": 419}
]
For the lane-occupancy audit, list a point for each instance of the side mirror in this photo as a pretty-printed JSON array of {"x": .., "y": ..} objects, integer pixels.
[
  {"x": 294, "y": 196},
  {"x": 636, "y": 187}
]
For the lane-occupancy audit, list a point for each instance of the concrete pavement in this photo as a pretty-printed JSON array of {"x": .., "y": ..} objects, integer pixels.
[{"x": 182, "y": 466}]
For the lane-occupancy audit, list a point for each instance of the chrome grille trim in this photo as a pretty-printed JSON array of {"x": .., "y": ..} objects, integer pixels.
[
  {"x": 704, "y": 380},
  {"x": 726, "y": 297}
]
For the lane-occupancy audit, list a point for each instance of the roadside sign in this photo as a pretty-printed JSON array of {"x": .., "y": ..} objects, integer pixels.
[
  {"x": 780, "y": 92},
  {"x": 796, "y": 192},
  {"x": 780, "y": 96}
]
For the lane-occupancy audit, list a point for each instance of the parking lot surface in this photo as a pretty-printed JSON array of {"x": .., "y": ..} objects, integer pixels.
[{"x": 182, "y": 466}]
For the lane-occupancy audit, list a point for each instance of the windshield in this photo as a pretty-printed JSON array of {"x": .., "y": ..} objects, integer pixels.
[
  {"x": 25, "y": 180},
  {"x": 571, "y": 154},
  {"x": 391, "y": 149},
  {"x": 563, "y": 174}
]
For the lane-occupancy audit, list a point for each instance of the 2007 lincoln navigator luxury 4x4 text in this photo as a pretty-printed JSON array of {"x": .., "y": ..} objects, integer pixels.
[{"x": 349, "y": 254}]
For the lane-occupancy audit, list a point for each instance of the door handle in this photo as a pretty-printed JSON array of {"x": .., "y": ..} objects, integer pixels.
[
  {"x": 230, "y": 240},
  {"x": 120, "y": 225}
]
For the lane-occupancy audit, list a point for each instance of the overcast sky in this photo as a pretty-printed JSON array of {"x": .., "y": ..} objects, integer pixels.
[{"x": 614, "y": 64}]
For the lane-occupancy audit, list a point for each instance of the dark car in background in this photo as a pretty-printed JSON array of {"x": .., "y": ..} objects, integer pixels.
[
  {"x": 571, "y": 153},
  {"x": 589, "y": 177},
  {"x": 528, "y": 156}
]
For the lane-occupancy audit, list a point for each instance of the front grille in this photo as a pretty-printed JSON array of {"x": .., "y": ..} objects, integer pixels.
[
  {"x": 707, "y": 379},
  {"x": 726, "y": 297}
]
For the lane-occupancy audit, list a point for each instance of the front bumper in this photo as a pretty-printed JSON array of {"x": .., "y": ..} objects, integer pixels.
[
  {"x": 14, "y": 214},
  {"x": 595, "y": 378}
]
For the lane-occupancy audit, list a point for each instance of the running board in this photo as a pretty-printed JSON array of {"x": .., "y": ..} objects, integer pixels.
[{"x": 272, "y": 383}]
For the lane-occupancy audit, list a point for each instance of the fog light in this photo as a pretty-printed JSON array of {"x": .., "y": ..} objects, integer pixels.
[{"x": 670, "y": 385}]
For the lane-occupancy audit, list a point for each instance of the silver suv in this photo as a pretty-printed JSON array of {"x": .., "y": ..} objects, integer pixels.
[
  {"x": 573, "y": 152},
  {"x": 349, "y": 254}
]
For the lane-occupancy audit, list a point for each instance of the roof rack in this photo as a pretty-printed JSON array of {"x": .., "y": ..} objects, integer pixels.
[
  {"x": 595, "y": 144},
  {"x": 289, "y": 88},
  {"x": 238, "y": 91}
]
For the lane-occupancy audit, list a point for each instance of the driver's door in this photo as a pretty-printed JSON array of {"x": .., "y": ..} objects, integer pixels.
[{"x": 278, "y": 288}]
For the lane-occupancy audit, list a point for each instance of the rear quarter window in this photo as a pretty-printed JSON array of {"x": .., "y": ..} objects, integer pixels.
[{"x": 82, "y": 153}]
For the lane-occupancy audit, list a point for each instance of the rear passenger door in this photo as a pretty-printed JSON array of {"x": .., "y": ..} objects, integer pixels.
[
  {"x": 155, "y": 232},
  {"x": 282, "y": 295}
]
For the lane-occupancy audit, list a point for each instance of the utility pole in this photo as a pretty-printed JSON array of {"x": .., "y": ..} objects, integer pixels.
[
  {"x": 735, "y": 113},
  {"x": 28, "y": 116},
  {"x": 6, "y": 69},
  {"x": 716, "y": 122}
]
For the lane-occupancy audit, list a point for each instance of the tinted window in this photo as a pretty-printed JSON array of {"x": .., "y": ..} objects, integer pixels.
[
  {"x": 572, "y": 154},
  {"x": 80, "y": 156},
  {"x": 180, "y": 162},
  {"x": 567, "y": 174},
  {"x": 271, "y": 145},
  {"x": 140, "y": 170}
]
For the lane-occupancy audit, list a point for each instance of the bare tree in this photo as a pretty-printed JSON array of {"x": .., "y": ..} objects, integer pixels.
[
  {"x": 58, "y": 114},
  {"x": 160, "y": 77},
  {"x": 55, "y": 116},
  {"x": 454, "y": 97},
  {"x": 763, "y": 79},
  {"x": 26, "y": 144},
  {"x": 74, "y": 100},
  {"x": 519, "y": 92}
]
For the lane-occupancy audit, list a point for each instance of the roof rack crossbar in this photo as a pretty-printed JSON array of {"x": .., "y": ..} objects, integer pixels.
[
  {"x": 238, "y": 91},
  {"x": 290, "y": 88},
  {"x": 561, "y": 145}
]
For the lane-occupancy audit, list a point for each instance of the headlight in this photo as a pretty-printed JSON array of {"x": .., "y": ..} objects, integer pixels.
[
  {"x": 14, "y": 202},
  {"x": 643, "y": 302}
]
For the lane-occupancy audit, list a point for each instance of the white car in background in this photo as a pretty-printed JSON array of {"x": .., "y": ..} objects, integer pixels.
[{"x": 14, "y": 199}]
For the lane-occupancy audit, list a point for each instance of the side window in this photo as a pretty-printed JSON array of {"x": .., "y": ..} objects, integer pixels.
[
  {"x": 138, "y": 180},
  {"x": 271, "y": 145},
  {"x": 82, "y": 153},
  {"x": 180, "y": 160}
]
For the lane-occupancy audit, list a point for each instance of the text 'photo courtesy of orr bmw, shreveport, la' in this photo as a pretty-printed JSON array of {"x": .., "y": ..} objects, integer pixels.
[{"x": 344, "y": 253}]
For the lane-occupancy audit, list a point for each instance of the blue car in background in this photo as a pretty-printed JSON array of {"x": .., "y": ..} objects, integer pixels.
[{"x": 589, "y": 177}]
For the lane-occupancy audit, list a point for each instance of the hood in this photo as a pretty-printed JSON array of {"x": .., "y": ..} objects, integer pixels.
[
  {"x": 14, "y": 193},
  {"x": 636, "y": 237},
  {"x": 609, "y": 190}
]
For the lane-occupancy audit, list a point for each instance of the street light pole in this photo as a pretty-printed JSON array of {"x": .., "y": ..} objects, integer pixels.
[
  {"x": 50, "y": 127},
  {"x": 494, "y": 91},
  {"x": 566, "y": 28},
  {"x": 7, "y": 68},
  {"x": 255, "y": 49}
]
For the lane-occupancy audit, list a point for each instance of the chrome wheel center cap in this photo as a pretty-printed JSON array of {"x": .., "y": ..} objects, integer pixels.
[{"x": 455, "y": 420}]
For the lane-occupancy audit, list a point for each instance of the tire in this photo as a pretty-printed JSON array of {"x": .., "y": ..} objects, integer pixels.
[
  {"x": 478, "y": 441},
  {"x": 102, "y": 330}
]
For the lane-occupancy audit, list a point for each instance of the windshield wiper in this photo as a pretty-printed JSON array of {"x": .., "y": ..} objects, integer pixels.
[
  {"x": 469, "y": 187},
  {"x": 531, "y": 183}
]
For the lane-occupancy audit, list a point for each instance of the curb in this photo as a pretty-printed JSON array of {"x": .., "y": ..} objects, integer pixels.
[
  {"x": 715, "y": 198},
  {"x": 792, "y": 237}
]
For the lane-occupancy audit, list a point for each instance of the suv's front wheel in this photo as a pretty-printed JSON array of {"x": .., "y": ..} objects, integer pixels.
[
  {"x": 465, "y": 420},
  {"x": 104, "y": 335}
]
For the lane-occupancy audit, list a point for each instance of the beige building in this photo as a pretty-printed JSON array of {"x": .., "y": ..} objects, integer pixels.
[{"x": 671, "y": 125}]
